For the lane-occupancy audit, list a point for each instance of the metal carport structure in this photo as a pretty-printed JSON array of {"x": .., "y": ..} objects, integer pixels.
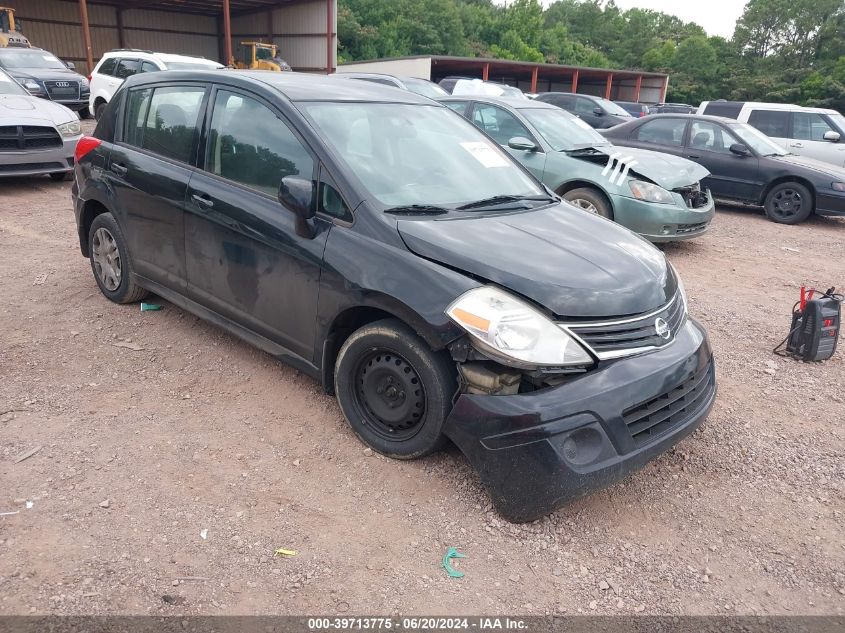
[{"x": 82, "y": 30}]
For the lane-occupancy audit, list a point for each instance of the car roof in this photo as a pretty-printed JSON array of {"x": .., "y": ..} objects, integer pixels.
[
  {"x": 513, "y": 102},
  {"x": 295, "y": 86},
  {"x": 165, "y": 57},
  {"x": 680, "y": 115},
  {"x": 361, "y": 75}
]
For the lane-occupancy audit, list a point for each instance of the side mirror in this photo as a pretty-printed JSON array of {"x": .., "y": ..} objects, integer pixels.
[
  {"x": 522, "y": 144},
  {"x": 70, "y": 65},
  {"x": 832, "y": 136},
  {"x": 740, "y": 150},
  {"x": 598, "y": 111},
  {"x": 297, "y": 195}
]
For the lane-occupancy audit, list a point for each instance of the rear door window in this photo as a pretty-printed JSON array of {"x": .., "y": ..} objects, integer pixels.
[
  {"x": 164, "y": 120},
  {"x": 127, "y": 68},
  {"x": 108, "y": 66},
  {"x": 251, "y": 145},
  {"x": 810, "y": 126},
  {"x": 662, "y": 132},
  {"x": 770, "y": 122}
]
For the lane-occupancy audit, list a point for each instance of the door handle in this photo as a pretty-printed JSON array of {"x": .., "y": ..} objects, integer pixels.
[
  {"x": 202, "y": 201},
  {"x": 119, "y": 169},
  {"x": 799, "y": 145},
  {"x": 693, "y": 156}
]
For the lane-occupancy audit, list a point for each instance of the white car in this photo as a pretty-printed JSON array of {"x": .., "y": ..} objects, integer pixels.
[
  {"x": 812, "y": 132},
  {"x": 117, "y": 65},
  {"x": 37, "y": 136}
]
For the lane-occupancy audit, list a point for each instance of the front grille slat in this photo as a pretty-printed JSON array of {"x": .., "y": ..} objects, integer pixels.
[
  {"x": 658, "y": 415},
  {"x": 18, "y": 138},
  {"x": 615, "y": 338}
]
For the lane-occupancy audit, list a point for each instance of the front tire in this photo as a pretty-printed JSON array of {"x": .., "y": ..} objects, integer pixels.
[
  {"x": 84, "y": 113},
  {"x": 98, "y": 109},
  {"x": 393, "y": 390},
  {"x": 590, "y": 200},
  {"x": 110, "y": 261},
  {"x": 789, "y": 203},
  {"x": 60, "y": 176}
]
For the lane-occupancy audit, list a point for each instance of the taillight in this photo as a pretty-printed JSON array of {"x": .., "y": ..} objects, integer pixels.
[
  {"x": 89, "y": 78},
  {"x": 85, "y": 145}
]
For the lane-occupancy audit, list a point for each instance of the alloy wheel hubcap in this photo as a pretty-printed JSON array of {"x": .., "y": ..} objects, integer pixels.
[
  {"x": 390, "y": 394},
  {"x": 106, "y": 259},
  {"x": 584, "y": 204},
  {"x": 787, "y": 202}
]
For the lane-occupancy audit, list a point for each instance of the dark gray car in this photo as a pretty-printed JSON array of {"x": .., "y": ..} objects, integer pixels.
[
  {"x": 45, "y": 75},
  {"x": 599, "y": 113}
]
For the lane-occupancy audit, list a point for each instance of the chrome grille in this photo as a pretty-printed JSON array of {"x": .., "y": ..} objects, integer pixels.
[
  {"x": 62, "y": 90},
  {"x": 625, "y": 337}
]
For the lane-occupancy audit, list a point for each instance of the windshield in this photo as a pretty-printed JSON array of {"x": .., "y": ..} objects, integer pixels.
[
  {"x": 9, "y": 86},
  {"x": 192, "y": 66},
  {"x": 23, "y": 58},
  {"x": 407, "y": 154},
  {"x": 424, "y": 88},
  {"x": 612, "y": 108},
  {"x": 562, "y": 131},
  {"x": 757, "y": 141}
]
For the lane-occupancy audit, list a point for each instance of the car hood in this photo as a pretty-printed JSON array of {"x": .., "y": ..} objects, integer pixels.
[
  {"x": 820, "y": 167},
  {"x": 571, "y": 262},
  {"x": 670, "y": 172},
  {"x": 21, "y": 110},
  {"x": 47, "y": 74}
]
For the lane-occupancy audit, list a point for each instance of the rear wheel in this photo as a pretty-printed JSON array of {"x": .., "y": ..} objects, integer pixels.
[
  {"x": 393, "y": 390},
  {"x": 110, "y": 261},
  {"x": 789, "y": 203},
  {"x": 590, "y": 200}
]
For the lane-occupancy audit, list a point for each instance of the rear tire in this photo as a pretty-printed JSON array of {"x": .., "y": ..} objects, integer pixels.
[
  {"x": 110, "y": 261},
  {"x": 590, "y": 200},
  {"x": 789, "y": 203},
  {"x": 393, "y": 390}
]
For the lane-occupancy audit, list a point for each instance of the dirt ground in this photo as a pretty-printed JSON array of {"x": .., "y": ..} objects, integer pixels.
[{"x": 176, "y": 458}]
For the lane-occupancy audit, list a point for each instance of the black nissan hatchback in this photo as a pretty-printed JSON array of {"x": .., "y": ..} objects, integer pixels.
[{"x": 387, "y": 247}]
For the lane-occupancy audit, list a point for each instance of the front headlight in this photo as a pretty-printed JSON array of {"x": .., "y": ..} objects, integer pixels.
[
  {"x": 838, "y": 186},
  {"x": 650, "y": 192},
  {"x": 513, "y": 330},
  {"x": 681, "y": 288},
  {"x": 69, "y": 129},
  {"x": 31, "y": 84}
]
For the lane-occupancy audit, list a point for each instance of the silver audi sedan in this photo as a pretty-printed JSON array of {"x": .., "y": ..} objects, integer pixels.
[{"x": 36, "y": 136}]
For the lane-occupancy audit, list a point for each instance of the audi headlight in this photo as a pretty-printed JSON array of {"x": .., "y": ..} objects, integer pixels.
[
  {"x": 31, "y": 85},
  {"x": 69, "y": 129},
  {"x": 650, "y": 192},
  {"x": 512, "y": 330}
]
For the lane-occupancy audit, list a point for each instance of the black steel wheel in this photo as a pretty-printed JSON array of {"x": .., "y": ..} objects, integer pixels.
[
  {"x": 789, "y": 203},
  {"x": 394, "y": 391}
]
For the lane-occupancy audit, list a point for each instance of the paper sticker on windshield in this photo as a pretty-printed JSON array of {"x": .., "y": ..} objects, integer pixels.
[{"x": 485, "y": 154}]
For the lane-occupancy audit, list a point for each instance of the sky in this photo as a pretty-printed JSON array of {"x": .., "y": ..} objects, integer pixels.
[{"x": 718, "y": 17}]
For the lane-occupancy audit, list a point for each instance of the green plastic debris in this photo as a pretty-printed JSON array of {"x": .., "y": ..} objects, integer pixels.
[
  {"x": 450, "y": 554},
  {"x": 149, "y": 307}
]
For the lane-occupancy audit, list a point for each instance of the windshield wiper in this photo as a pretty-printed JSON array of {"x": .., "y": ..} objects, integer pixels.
[
  {"x": 417, "y": 209},
  {"x": 497, "y": 200}
]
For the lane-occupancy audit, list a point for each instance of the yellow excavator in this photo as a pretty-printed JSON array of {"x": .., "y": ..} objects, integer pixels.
[
  {"x": 259, "y": 56},
  {"x": 10, "y": 34}
]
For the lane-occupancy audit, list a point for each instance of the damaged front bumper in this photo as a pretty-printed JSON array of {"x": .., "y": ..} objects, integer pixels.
[{"x": 537, "y": 451}]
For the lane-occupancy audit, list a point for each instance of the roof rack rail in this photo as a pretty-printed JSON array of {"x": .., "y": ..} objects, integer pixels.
[{"x": 131, "y": 50}]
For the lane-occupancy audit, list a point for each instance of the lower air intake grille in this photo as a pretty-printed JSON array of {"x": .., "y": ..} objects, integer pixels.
[{"x": 654, "y": 417}]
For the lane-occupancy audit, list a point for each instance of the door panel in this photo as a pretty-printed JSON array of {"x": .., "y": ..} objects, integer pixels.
[
  {"x": 731, "y": 176},
  {"x": 808, "y": 130},
  {"x": 244, "y": 258},
  {"x": 149, "y": 172}
]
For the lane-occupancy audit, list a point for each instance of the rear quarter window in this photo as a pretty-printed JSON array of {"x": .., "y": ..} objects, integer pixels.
[
  {"x": 770, "y": 122},
  {"x": 725, "y": 109},
  {"x": 108, "y": 66}
]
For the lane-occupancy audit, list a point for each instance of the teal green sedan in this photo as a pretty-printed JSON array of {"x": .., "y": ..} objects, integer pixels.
[{"x": 656, "y": 195}]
